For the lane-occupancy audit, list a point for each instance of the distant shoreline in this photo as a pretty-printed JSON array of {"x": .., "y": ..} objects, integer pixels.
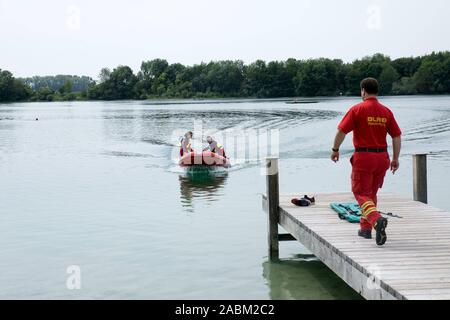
[
  {"x": 228, "y": 100},
  {"x": 227, "y": 79}
]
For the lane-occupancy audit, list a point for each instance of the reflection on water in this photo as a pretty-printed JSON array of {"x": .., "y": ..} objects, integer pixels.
[
  {"x": 202, "y": 183},
  {"x": 304, "y": 277}
]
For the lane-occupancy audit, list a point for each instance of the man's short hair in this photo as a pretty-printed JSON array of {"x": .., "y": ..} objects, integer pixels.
[{"x": 370, "y": 85}]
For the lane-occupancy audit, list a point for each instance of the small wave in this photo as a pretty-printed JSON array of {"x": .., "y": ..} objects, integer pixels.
[
  {"x": 429, "y": 129},
  {"x": 176, "y": 169},
  {"x": 235, "y": 166},
  {"x": 158, "y": 142},
  {"x": 227, "y": 116},
  {"x": 157, "y": 126},
  {"x": 127, "y": 154},
  {"x": 231, "y": 101},
  {"x": 442, "y": 154}
]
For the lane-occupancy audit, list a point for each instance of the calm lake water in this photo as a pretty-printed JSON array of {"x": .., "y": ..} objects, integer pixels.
[{"x": 94, "y": 184}]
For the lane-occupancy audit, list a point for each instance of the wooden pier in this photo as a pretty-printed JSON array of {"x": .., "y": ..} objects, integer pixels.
[{"x": 413, "y": 264}]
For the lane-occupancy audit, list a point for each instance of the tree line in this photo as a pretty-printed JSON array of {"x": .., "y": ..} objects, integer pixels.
[
  {"x": 429, "y": 74},
  {"x": 69, "y": 82}
]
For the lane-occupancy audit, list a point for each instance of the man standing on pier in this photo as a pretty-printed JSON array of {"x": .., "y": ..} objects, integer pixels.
[{"x": 370, "y": 122}]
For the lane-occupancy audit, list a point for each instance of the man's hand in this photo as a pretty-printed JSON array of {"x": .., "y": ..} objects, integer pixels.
[
  {"x": 335, "y": 156},
  {"x": 395, "y": 164},
  {"x": 340, "y": 136},
  {"x": 396, "y": 145}
]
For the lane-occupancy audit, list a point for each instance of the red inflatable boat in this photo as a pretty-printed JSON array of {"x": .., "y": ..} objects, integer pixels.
[{"x": 206, "y": 158}]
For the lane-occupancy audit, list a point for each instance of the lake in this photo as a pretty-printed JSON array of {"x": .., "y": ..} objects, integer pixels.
[{"x": 96, "y": 185}]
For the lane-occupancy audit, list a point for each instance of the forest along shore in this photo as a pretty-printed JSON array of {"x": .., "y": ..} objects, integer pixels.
[{"x": 233, "y": 79}]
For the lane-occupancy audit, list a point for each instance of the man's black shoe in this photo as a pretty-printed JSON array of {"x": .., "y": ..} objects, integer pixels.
[
  {"x": 313, "y": 199},
  {"x": 381, "y": 231},
  {"x": 366, "y": 234}
]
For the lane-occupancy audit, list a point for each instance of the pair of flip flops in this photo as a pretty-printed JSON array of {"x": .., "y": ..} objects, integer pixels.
[{"x": 304, "y": 202}]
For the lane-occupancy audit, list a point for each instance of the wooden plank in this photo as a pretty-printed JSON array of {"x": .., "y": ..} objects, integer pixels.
[
  {"x": 429, "y": 296},
  {"x": 414, "y": 263},
  {"x": 357, "y": 279}
]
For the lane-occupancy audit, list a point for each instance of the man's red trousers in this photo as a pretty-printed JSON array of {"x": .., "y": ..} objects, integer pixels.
[{"x": 368, "y": 172}]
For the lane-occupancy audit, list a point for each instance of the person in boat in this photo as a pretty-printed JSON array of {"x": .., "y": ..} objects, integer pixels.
[
  {"x": 214, "y": 147},
  {"x": 186, "y": 143}
]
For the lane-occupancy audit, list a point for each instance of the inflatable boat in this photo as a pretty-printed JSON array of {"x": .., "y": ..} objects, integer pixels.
[{"x": 206, "y": 158}]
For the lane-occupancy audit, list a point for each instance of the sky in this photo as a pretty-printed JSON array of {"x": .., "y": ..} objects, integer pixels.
[{"x": 44, "y": 37}]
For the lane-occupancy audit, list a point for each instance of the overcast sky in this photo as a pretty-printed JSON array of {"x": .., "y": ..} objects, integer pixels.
[{"x": 43, "y": 37}]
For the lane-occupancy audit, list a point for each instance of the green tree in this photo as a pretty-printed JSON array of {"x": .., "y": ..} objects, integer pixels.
[
  {"x": 405, "y": 86},
  {"x": 44, "y": 94},
  {"x": 224, "y": 78},
  {"x": 406, "y": 67},
  {"x": 373, "y": 66},
  {"x": 66, "y": 88},
  {"x": 104, "y": 74},
  {"x": 257, "y": 80},
  {"x": 387, "y": 78},
  {"x": 79, "y": 83},
  {"x": 12, "y": 89},
  {"x": 433, "y": 75},
  {"x": 152, "y": 79},
  {"x": 120, "y": 85},
  {"x": 318, "y": 77},
  {"x": 281, "y": 79}
]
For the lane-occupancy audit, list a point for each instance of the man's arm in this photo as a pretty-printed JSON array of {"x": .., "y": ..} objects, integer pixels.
[
  {"x": 338, "y": 140},
  {"x": 396, "y": 146}
]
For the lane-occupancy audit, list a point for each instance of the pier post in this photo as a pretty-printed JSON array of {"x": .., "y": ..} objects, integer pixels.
[
  {"x": 420, "y": 178},
  {"x": 273, "y": 200}
]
